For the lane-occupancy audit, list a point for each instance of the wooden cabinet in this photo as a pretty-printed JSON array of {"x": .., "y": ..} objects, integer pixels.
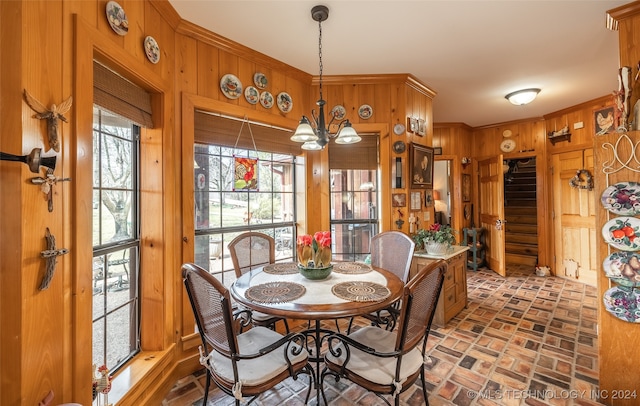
[{"x": 453, "y": 297}]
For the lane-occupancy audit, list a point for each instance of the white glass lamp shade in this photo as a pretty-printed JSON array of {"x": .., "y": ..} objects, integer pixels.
[
  {"x": 348, "y": 135},
  {"x": 311, "y": 146},
  {"x": 522, "y": 97},
  {"x": 304, "y": 132}
]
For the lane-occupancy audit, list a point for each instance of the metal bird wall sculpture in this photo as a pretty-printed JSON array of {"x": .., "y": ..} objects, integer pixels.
[{"x": 52, "y": 115}]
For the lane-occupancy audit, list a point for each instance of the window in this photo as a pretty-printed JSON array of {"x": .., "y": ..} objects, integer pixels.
[
  {"x": 354, "y": 214},
  {"x": 223, "y": 209},
  {"x": 116, "y": 239},
  {"x": 353, "y": 172}
]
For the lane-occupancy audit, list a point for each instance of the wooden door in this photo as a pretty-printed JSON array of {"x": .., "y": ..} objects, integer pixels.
[
  {"x": 574, "y": 218},
  {"x": 491, "y": 191}
]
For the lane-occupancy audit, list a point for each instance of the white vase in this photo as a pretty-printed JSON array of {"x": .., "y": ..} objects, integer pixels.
[{"x": 436, "y": 248}]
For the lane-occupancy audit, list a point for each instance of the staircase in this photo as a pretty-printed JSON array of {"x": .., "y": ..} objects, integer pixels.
[{"x": 521, "y": 231}]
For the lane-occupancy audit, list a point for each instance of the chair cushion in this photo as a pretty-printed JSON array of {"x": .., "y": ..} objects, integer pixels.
[
  {"x": 380, "y": 370},
  {"x": 257, "y": 370},
  {"x": 258, "y": 316}
]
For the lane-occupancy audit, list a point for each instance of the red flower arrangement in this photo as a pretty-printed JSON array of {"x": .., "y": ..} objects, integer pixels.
[{"x": 314, "y": 252}]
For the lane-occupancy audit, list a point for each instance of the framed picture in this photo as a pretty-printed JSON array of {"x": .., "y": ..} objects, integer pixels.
[
  {"x": 399, "y": 199},
  {"x": 604, "y": 121},
  {"x": 428, "y": 198},
  {"x": 422, "y": 127},
  {"x": 466, "y": 187},
  {"x": 421, "y": 166},
  {"x": 412, "y": 124},
  {"x": 416, "y": 201}
]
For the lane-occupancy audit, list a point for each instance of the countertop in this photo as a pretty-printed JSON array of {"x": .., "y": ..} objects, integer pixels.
[{"x": 453, "y": 251}]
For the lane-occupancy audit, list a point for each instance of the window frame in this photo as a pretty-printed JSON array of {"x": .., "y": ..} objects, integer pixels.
[
  {"x": 103, "y": 250},
  {"x": 220, "y": 235}
]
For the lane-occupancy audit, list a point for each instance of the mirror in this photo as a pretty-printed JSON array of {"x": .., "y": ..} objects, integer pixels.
[{"x": 442, "y": 191}]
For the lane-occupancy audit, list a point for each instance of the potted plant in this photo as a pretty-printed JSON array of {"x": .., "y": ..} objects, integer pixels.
[{"x": 436, "y": 240}]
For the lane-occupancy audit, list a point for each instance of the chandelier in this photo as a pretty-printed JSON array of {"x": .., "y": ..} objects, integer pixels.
[{"x": 317, "y": 136}]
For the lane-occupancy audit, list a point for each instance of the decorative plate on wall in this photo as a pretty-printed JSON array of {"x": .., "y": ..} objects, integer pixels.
[
  {"x": 284, "y": 101},
  {"x": 266, "y": 99},
  {"x": 623, "y": 267},
  {"x": 260, "y": 80},
  {"x": 622, "y": 233},
  {"x": 399, "y": 147},
  {"x": 623, "y": 303},
  {"x": 622, "y": 198},
  {"x": 365, "y": 111},
  {"x": 251, "y": 94},
  {"x": 507, "y": 145},
  {"x": 231, "y": 86},
  {"x": 151, "y": 49},
  {"x": 339, "y": 112},
  {"x": 399, "y": 129},
  {"x": 117, "y": 18}
]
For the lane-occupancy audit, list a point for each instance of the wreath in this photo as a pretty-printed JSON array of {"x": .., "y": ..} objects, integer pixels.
[{"x": 582, "y": 180}]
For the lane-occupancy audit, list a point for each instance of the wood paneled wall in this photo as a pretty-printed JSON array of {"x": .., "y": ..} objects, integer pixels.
[
  {"x": 45, "y": 334},
  {"x": 50, "y": 45},
  {"x": 618, "y": 339}
]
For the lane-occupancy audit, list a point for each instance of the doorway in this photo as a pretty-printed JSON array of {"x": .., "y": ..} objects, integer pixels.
[{"x": 520, "y": 211}]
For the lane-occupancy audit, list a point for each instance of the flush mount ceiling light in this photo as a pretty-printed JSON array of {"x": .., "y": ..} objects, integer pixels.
[
  {"x": 524, "y": 96},
  {"x": 316, "y": 137}
]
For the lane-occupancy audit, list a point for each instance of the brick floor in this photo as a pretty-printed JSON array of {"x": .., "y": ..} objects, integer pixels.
[{"x": 522, "y": 340}]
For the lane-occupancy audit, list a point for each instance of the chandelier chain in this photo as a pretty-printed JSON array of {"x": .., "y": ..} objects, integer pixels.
[{"x": 320, "y": 53}]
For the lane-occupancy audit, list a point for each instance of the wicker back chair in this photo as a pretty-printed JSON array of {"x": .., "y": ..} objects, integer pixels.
[
  {"x": 251, "y": 250},
  {"x": 245, "y": 364},
  {"x": 248, "y": 251},
  {"x": 389, "y": 362},
  {"x": 392, "y": 251}
]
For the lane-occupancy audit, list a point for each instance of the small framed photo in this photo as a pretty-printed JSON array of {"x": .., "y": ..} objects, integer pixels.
[
  {"x": 428, "y": 198},
  {"x": 399, "y": 199},
  {"x": 466, "y": 187},
  {"x": 412, "y": 125},
  {"x": 421, "y": 166},
  {"x": 422, "y": 127},
  {"x": 416, "y": 201},
  {"x": 604, "y": 121}
]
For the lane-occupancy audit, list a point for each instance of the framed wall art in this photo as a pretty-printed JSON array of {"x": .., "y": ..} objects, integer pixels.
[
  {"x": 604, "y": 121},
  {"x": 416, "y": 201},
  {"x": 428, "y": 198},
  {"x": 399, "y": 199},
  {"x": 466, "y": 187},
  {"x": 422, "y": 127},
  {"x": 421, "y": 166}
]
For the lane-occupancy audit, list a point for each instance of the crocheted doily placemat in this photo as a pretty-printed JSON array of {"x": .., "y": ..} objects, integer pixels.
[
  {"x": 286, "y": 268},
  {"x": 351, "y": 267},
  {"x": 359, "y": 291},
  {"x": 275, "y": 292}
]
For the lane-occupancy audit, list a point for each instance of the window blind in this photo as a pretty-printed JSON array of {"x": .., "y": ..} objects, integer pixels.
[
  {"x": 120, "y": 96},
  {"x": 363, "y": 155}
]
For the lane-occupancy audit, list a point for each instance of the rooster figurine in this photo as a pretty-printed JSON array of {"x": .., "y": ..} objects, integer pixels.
[{"x": 52, "y": 115}]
